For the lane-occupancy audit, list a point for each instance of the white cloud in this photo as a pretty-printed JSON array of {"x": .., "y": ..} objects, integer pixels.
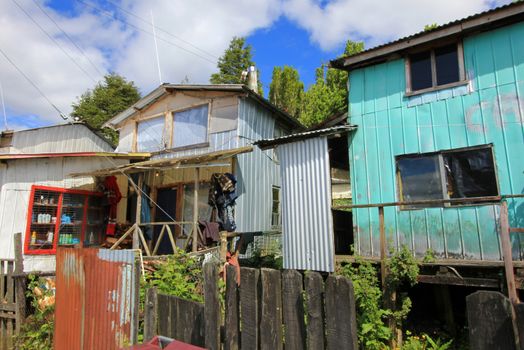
[
  {"x": 114, "y": 45},
  {"x": 208, "y": 24},
  {"x": 377, "y": 21}
]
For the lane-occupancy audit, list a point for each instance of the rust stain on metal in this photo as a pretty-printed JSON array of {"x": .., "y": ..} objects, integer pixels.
[{"x": 95, "y": 296}]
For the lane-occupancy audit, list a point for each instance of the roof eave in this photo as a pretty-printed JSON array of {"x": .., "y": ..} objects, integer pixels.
[{"x": 498, "y": 17}]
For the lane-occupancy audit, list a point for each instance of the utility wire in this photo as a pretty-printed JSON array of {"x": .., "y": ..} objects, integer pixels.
[
  {"x": 161, "y": 29},
  {"x": 68, "y": 37},
  {"x": 112, "y": 16},
  {"x": 34, "y": 85},
  {"x": 54, "y": 41}
]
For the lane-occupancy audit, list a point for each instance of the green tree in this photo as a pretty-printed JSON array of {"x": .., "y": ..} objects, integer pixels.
[
  {"x": 108, "y": 98},
  {"x": 329, "y": 93},
  {"x": 286, "y": 90},
  {"x": 236, "y": 59}
]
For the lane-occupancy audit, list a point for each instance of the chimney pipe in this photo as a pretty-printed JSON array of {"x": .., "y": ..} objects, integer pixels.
[{"x": 252, "y": 81}]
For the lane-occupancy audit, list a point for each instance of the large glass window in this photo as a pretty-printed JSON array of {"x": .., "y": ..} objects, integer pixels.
[
  {"x": 150, "y": 134},
  {"x": 455, "y": 174},
  {"x": 190, "y": 127}
]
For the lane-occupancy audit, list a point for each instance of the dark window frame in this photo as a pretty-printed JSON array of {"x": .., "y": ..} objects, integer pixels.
[
  {"x": 278, "y": 201},
  {"x": 444, "y": 177},
  {"x": 434, "y": 86}
]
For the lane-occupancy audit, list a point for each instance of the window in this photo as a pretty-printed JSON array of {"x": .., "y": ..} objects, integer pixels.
[
  {"x": 275, "y": 208},
  {"x": 190, "y": 127},
  {"x": 436, "y": 67},
  {"x": 452, "y": 174},
  {"x": 150, "y": 135}
]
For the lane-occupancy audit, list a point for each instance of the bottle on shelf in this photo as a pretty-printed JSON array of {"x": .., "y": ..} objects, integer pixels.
[
  {"x": 50, "y": 236},
  {"x": 91, "y": 238},
  {"x": 33, "y": 238}
]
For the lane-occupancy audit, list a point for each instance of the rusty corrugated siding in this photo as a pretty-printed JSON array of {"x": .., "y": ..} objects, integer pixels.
[{"x": 95, "y": 299}]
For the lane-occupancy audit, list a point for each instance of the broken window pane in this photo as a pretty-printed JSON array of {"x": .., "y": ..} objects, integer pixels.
[
  {"x": 470, "y": 173},
  {"x": 420, "y": 178},
  {"x": 190, "y": 127},
  {"x": 446, "y": 64},
  {"x": 420, "y": 69}
]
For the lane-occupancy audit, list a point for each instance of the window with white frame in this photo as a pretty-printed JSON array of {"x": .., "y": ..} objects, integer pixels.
[
  {"x": 150, "y": 135},
  {"x": 454, "y": 174},
  {"x": 190, "y": 127},
  {"x": 434, "y": 68},
  {"x": 276, "y": 220}
]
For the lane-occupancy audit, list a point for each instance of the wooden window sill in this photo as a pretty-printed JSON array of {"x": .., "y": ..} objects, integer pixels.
[{"x": 436, "y": 88}]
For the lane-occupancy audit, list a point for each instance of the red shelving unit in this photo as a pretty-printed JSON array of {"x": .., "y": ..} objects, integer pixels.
[{"x": 63, "y": 217}]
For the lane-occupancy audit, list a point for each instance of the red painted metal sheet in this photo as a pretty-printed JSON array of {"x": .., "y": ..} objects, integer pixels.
[{"x": 96, "y": 294}]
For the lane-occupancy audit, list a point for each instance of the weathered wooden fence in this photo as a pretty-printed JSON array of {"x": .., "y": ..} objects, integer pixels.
[
  {"x": 12, "y": 295},
  {"x": 494, "y": 322},
  {"x": 269, "y": 310}
]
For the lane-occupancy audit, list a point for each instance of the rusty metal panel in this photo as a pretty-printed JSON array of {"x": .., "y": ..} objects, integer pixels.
[
  {"x": 489, "y": 110},
  {"x": 96, "y": 295}
]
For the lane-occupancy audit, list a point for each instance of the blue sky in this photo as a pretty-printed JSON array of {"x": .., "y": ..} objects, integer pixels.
[{"x": 115, "y": 35}]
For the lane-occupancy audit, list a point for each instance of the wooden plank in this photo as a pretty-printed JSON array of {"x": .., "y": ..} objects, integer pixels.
[
  {"x": 293, "y": 310},
  {"x": 20, "y": 283},
  {"x": 2, "y": 280},
  {"x": 190, "y": 322},
  {"x": 232, "y": 320},
  {"x": 211, "y": 307},
  {"x": 164, "y": 319},
  {"x": 506, "y": 253},
  {"x": 271, "y": 315},
  {"x": 383, "y": 253},
  {"x": 150, "y": 314},
  {"x": 10, "y": 284},
  {"x": 490, "y": 321},
  {"x": 341, "y": 331},
  {"x": 249, "y": 307},
  {"x": 315, "y": 311}
]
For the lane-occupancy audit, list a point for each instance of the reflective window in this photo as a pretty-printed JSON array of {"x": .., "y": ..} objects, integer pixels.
[
  {"x": 150, "y": 134},
  {"x": 190, "y": 127}
]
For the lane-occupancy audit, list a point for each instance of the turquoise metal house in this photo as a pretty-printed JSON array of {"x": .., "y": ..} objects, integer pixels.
[{"x": 440, "y": 137}]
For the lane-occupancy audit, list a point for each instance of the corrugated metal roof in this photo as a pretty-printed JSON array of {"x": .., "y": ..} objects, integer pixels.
[
  {"x": 63, "y": 138},
  {"x": 468, "y": 24},
  {"x": 165, "y": 88},
  {"x": 136, "y": 156},
  {"x": 269, "y": 143}
]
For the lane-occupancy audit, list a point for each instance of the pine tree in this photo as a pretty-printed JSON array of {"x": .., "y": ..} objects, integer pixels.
[
  {"x": 286, "y": 90},
  {"x": 107, "y": 99},
  {"x": 236, "y": 59},
  {"x": 329, "y": 94}
]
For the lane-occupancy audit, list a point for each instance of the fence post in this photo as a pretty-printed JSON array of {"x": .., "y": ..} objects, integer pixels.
[
  {"x": 249, "y": 307},
  {"x": 20, "y": 283},
  {"x": 271, "y": 318},
  {"x": 211, "y": 307},
  {"x": 340, "y": 306},
  {"x": 232, "y": 324},
  {"x": 293, "y": 308},
  {"x": 150, "y": 314},
  {"x": 315, "y": 311},
  {"x": 491, "y": 321}
]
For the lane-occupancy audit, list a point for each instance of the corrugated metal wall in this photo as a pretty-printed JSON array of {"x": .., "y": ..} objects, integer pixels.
[
  {"x": 18, "y": 176},
  {"x": 96, "y": 296},
  {"x": 62, "y": 138},
  {"x": 390, "y": 124},
  {"x": 307, "y": 224},
  {"x": 257, "y": 171}
]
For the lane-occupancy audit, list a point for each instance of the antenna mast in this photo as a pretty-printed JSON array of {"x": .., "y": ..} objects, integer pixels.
[{"x": 156, "y": 48}]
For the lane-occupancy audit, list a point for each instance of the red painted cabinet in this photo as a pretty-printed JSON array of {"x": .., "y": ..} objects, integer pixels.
[{"x": 63, "y": 217}]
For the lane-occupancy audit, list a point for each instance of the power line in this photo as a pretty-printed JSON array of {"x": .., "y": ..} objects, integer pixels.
[
  {"x": 68, "y": 37},
  {"x": 34, "y": 85},
  {"x": 161, "y": 29},
  {"x": 112, "y": 16},
  {"x": 54, "y": 41}
]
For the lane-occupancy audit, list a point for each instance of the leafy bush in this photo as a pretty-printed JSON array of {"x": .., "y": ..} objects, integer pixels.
[
  {"x": 37, "y": 331},
  {"x": 425, "y": 342}
]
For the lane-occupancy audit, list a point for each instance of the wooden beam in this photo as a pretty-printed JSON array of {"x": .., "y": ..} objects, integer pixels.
[
  {"x": 136, "y": 244},
  {"x": 195, "y": 210},
  {"x": 457, "y": 281},
  {"x": 506, "y": 253}
]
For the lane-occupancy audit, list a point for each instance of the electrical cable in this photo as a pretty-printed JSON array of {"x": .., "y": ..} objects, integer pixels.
[
  {"x": 34, "y": 85},
  {"x": 68, "y": 37},
  {"x": 54, "y": 41}
]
